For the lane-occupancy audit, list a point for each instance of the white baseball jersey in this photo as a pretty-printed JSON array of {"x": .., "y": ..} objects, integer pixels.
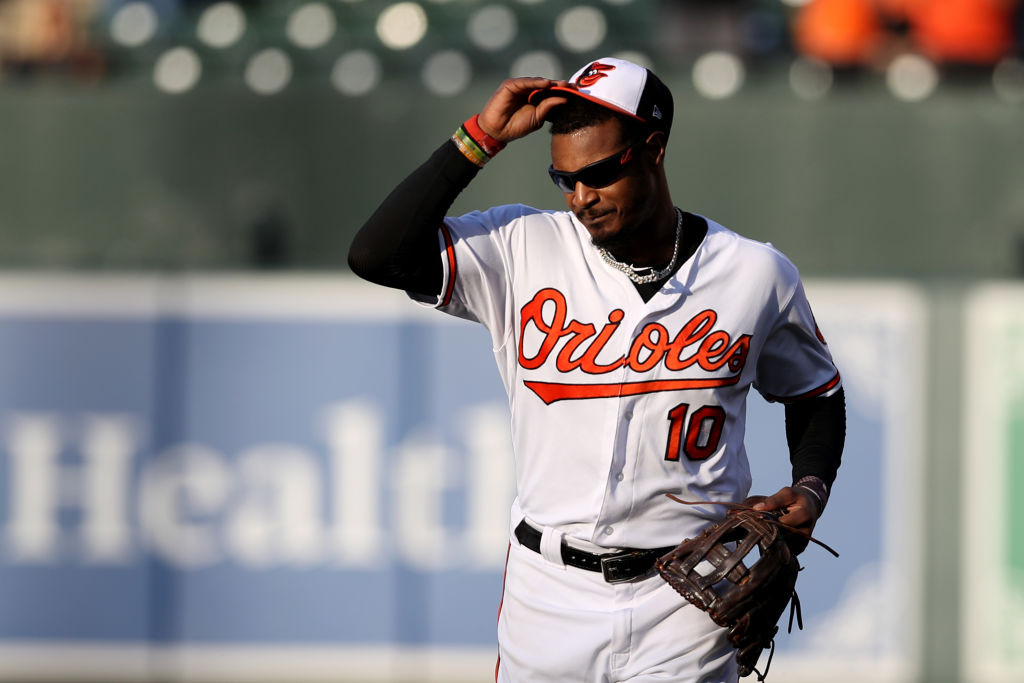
[{"x": 616, "y": 401}]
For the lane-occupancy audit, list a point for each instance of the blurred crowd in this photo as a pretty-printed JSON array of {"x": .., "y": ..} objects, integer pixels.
[
  {"x": 858, "y": 33},
  {"x": 49, "y": 35},
  {"x": 72, "y": 37}
]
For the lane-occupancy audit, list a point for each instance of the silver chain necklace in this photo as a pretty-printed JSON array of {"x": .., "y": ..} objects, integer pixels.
[{"x": 644, "y": 274}]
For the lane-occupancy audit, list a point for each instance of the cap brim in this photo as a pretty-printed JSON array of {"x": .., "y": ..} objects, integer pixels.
[{"x": 558, "y": 90}]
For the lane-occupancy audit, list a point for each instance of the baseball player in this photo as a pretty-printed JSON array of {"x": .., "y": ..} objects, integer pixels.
[{"x": 627, "y": 333}]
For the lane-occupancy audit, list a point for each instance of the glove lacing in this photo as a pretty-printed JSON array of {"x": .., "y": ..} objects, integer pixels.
[{"x": 794, "y": 608}]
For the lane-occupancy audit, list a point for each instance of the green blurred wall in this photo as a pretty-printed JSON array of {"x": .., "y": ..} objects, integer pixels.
[{"x": 122, "y": 177}]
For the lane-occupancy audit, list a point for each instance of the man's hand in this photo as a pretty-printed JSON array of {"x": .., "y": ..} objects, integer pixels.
[
  {"x": 801, "y": 508},
  {"x": 507, "y": 115}
]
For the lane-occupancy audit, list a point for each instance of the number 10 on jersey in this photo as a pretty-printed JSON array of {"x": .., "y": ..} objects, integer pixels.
[{"x": 695, "y": 435}]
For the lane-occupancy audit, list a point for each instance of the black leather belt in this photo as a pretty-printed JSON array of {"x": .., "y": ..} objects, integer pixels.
[{"x": 625, "y": 565}]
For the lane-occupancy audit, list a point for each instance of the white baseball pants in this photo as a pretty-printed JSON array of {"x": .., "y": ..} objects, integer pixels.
[{"x": 561, "y": 624}]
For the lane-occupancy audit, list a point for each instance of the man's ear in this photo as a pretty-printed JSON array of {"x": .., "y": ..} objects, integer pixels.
[{"x": 655, "y": 144}]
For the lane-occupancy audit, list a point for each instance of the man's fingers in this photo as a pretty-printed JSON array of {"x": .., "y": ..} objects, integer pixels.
[
  {"x": 533, "y": 81},
  {"x": 508, "y": 115},
  {"x": 785, "y": 499},
  {"x": 800, "y": 512},
  {"x": 775, "y": 501},
  {"x": 547, "y": 104},
  {"x": 522, "y": 87},
  {"x": 536, "y": 82}
]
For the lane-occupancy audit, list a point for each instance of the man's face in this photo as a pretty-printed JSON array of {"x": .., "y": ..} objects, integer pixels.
[{"x": 615, "y": 214}]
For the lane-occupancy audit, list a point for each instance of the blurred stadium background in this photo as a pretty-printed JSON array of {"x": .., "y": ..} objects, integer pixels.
[
  {"x": 179, "y": 183},
  {"x": 875, "y": 137}
]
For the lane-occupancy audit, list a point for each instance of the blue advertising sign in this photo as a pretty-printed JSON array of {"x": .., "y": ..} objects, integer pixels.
[{"x": 236, "y": 478}]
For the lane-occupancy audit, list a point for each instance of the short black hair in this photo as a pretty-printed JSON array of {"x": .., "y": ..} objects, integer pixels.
[{"x": 579, "y": 113}]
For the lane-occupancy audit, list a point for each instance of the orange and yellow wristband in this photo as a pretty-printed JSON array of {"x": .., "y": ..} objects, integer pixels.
[{"x": 475, "y": 144}]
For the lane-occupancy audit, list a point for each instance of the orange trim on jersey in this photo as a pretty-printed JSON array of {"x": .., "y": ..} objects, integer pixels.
[
  {"x": 449, "y": 250},
  {"x": 831, "y": 384},
  {"x": 549, "y": 392}
]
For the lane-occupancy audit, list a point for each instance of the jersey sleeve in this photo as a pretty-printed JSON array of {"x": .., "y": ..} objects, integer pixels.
[
  {"x": 795, "y": 362},
  {"x": 476, "y": 260}
]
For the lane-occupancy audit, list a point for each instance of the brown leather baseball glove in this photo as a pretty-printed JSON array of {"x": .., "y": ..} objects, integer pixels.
[{"x": 742, "y": 572}]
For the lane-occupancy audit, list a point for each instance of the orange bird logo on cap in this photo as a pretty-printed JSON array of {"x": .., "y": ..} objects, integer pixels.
[{"x": 593, "y": 74}]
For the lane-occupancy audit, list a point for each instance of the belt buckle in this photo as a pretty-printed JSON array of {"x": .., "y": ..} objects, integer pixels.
[{"x": 617, "y": 567}]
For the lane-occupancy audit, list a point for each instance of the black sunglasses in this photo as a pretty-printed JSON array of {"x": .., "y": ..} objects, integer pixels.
[{"x": 596, "y": 175}]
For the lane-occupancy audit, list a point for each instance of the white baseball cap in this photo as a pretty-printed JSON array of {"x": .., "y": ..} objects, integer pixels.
[{"x": 621, "y": 86}]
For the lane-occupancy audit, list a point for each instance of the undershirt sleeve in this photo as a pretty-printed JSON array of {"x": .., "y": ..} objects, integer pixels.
[
  {"x": 816, "y": 433},
  {"x": 398, "y": 246}
]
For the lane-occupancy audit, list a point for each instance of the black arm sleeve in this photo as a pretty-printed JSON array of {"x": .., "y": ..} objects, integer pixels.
[
  {"x": 397, "y": 247},
  {"x": 816, "y": 432}
]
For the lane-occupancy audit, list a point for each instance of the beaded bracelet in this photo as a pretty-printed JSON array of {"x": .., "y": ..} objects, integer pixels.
[{"x": 474, "y": 143}]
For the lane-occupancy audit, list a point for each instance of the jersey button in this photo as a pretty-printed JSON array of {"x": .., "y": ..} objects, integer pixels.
[
  {"x": 608, "y": 531},
  {"x": 619, "y": 476},
  {"x": 628, "y": 415}
]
